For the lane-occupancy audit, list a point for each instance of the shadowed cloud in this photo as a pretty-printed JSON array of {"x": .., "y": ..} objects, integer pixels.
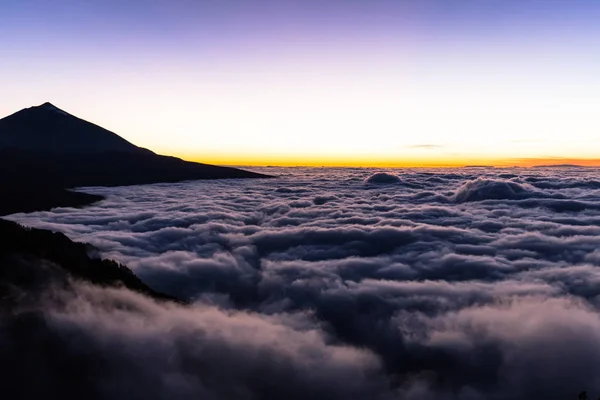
[{"x": 450, "y": 284}]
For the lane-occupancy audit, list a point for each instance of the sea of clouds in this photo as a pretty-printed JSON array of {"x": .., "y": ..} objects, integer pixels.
[{"x": 473, "y": 283}]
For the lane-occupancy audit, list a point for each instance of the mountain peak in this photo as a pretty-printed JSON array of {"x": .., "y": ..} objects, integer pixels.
[
  {"x": 48, "y": 128},
  {"x": 47, "y": 106}
]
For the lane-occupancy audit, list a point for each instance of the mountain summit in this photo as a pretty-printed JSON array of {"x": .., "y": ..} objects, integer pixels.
[
  {"x": 44, "y": 150},
  {"x": 48, "y": 128}
]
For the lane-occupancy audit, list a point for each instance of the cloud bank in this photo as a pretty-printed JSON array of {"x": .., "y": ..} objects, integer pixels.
[{"x": 451, "y": 284}]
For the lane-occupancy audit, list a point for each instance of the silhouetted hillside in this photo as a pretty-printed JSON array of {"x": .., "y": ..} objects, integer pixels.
[
  {"x": 33, "y": 259},
  {"x": 44, "y": 150},
  {"x": 50, "y": 129},
  {"x": 46, "y": 145},
  {"x": 68, "y": 170}
]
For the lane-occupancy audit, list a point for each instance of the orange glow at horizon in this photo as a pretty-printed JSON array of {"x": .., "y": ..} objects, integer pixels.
[{"x": 256, "y": 160}]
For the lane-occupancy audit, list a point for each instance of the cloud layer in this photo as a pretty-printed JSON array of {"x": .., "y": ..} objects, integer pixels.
[{"x": 452, "y": 284}]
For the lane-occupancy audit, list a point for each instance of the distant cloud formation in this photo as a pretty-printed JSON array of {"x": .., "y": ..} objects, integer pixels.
[
  {"x": 461, "y": 284},
  {"x": 383, "y": 177},
  {"x": 491, "y": 189}
]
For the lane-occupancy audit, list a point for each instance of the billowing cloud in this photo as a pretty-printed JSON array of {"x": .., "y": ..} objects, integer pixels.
[
  {"x": 99, "y": 343},
  {"x": 454, "y": 284},
  {"x": 383, "y": 177},
  {"x": 492, "y": 189}
]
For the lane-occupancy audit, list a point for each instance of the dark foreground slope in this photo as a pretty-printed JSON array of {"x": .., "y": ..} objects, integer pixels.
[
  {"x": 31, "y": 260},
  {"x": 42, "y": 355}
]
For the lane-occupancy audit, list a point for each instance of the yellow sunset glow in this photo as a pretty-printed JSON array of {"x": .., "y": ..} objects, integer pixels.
[{"x": 391, "y": 115}]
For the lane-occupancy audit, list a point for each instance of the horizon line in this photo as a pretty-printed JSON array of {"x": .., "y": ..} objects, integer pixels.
[{"x": 323, "y": 163}]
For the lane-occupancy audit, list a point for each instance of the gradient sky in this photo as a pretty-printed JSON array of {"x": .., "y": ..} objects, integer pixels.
[{"x": 317, "y": 82}]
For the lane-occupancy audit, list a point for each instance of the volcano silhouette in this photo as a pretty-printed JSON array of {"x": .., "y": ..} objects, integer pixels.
[
  {"x": 47, "y": 146},
  {"x": 48, "y": 128}
]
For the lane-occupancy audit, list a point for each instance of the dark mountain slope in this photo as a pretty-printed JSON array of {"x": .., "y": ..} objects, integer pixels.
[
  {"x": 50, "y": 129},
  {"x": 68, "y": 170},
  {"x": 44, "y": 150},
  {"x": 31, "y": 260},
  {"x": 46, "y": 145}
]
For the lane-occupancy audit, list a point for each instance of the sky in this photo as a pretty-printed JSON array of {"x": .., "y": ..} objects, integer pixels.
[{"x": 328, "y": 82}]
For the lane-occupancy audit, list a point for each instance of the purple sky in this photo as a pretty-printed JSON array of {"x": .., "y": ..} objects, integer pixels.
[{"x": 139, "y": 66}]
